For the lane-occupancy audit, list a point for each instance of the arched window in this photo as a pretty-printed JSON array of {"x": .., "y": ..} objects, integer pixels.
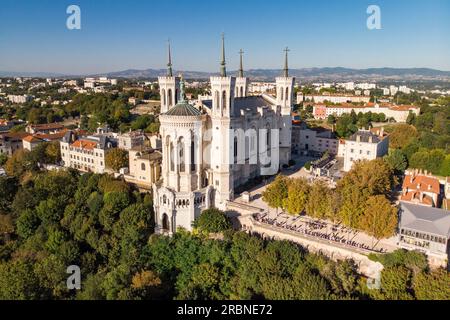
[
  {"x": 192, "y": 156},
  {"x": 163, "y": 97},
  {"x": 287, "y": 94},
  {"x": 235, "y": 149},
  {"x": 181, "y": 155},
  {"x": 268, "y": 139},
  {"x": 164, "y": 199},
  {"x": 169, "y": 97},
  {"x": 176, "y": 96},
  {"x": 224, "y": 101},
  {"x": 172, "y": 157},
  {"x": 143, "y": 166},
  {"x": 242, "y": 92},
  {"x": 281, "y": 94},
  {"x": 216, "y": 99}
]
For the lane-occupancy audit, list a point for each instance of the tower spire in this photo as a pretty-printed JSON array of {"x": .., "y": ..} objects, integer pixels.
[
  {"x": 241, "y": 68},
  {"x": 286, "y": 70},
  {"x": 169, "y": 63},
  {"x": 223, "y": 71}
]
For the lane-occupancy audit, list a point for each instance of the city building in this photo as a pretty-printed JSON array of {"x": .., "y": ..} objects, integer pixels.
[
  {"x": 32, "y": 140},
  {"x": 420, "y": 188},
  {"x": 46, "y": 128},
  {"x": 399, "y": 113},
  {"x": 363, "y": 145},
  {"x": 86, "y": 153},
  {"x": 305, "y": 139},
  {"x": 200, "y": 157},
  {"x": 332, "y": 98},
  {"x": 11, "y": 142},
  {"x": 425, "y": 229},
  {"x": 144, "y": 167},
  {"x": 130, "y": 140},
  {"x": 19, "y": 98}
]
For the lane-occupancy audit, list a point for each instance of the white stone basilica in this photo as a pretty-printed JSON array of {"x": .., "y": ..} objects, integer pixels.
[{"x": 197, "y": 148}]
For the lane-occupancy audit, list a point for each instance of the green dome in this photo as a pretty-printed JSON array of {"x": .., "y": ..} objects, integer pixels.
[{"x": 183, "y": 109}]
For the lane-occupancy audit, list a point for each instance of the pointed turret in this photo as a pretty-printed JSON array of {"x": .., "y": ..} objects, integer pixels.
[
  {"x": 223, "y": 71},
  {"x": 241, "y": 67},
  {"x": 286, "y": 69},
  {"x": 169, "y": 63}
]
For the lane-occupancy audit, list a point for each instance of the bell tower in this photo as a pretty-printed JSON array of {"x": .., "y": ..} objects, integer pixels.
[
  {"x": 241, "y": 81},
  {"x": 222, "y": 89},
  {"x": 285, "y": 90},
  {"x": 169, "y": 86}
]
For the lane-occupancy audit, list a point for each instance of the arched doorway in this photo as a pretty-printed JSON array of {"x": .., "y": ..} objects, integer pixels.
[{"x": 165, "y": 222}]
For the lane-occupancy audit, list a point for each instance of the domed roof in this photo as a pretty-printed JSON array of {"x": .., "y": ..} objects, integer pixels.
[{"x": 183, "y": 109}]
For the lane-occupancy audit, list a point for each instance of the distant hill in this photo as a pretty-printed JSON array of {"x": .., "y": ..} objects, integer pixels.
[
  {"x": 325, "y": 74},
  {"x": 336, "y": 73}
]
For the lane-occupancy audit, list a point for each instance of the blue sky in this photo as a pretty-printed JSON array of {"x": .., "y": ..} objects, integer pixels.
[{"x": 119, "y": 34}]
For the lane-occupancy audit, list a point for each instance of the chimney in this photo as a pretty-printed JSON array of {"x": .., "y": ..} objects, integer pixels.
[
  {"x": 429, "y": 187},
  {"x": 411, "y": 178}
]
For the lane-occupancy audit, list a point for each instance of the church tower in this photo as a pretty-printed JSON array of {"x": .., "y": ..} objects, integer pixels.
[
  {"x": 285, "y": 94},
  {"x": 222, "y": 90},
  {"x": 169, "y": 86},
  {"x": 241, "y": 81}
]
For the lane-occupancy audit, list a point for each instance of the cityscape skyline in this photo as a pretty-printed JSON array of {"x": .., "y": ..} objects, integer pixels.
[{"x": 42, "y": 43}]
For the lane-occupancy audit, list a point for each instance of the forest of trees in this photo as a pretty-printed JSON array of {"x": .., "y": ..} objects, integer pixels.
[
  {"x": 50, "y": 220},
  {"x": 424, "y": 142}
]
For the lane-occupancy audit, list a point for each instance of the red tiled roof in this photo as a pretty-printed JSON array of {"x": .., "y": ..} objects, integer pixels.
[
  {"x": 84, "y": 144},
  {"x": 421, "y": 183}
]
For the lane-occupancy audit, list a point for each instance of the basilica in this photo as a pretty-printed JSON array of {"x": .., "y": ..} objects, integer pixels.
[{"x": 203, "y": 157}]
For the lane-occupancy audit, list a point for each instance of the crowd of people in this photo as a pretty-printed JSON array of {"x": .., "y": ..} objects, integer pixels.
[{"x": 317, "y": 229}]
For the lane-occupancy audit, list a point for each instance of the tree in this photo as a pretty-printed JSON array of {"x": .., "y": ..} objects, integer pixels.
[
  {"x": 17, "y": 281},
  {"x": 396, "y": 160},
  {"x": 379, "y": 218},
  {"x": 320, "y": 201},
  {"x": 331, "y": 119},
  {"x": 276, "y": 192},
  {"x": 116, "y": 159},
  {"x": 396, "y": 283},
  {"x": 298, "y": 189},
  {"x": 212, "y": 220},
  {"x": 402, "y": 135},
  {"x": 3, "y": 159},
  {"x": 19, "y": 163},
  {"x": 433, "y": 285}
]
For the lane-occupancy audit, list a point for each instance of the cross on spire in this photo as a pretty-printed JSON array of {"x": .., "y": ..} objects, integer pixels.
[
  {"x": 169, "y": 63},
  {"x": 286, "y": 70},
  {"x": 223, "y": 71},
  {"x": 241, "y": 68}
]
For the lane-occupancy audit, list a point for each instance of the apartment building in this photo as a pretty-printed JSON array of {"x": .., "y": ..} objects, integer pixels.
[
  {"x": 86, "y": 153},
  {"x": 363, "y": 145},
  {"x": 305, "y": 139},
  {"x": 333, "y": 98},
  {"x": 421, "y": 189},
  {"x": 11, "y": 142},
  {"x": 399, "y": 113},
  {"x": 47, "y": 128}
]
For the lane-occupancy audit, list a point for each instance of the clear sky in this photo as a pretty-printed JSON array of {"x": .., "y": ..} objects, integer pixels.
[{"x": 117, "y": 35}]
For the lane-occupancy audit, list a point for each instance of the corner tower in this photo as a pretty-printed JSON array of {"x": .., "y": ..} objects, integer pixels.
[
  {"x": 241, "y": 81},
  {"x": 285, "y": 89},
  {"x": 169, "y": 86},
  {"x": 222, "y": 89}
]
